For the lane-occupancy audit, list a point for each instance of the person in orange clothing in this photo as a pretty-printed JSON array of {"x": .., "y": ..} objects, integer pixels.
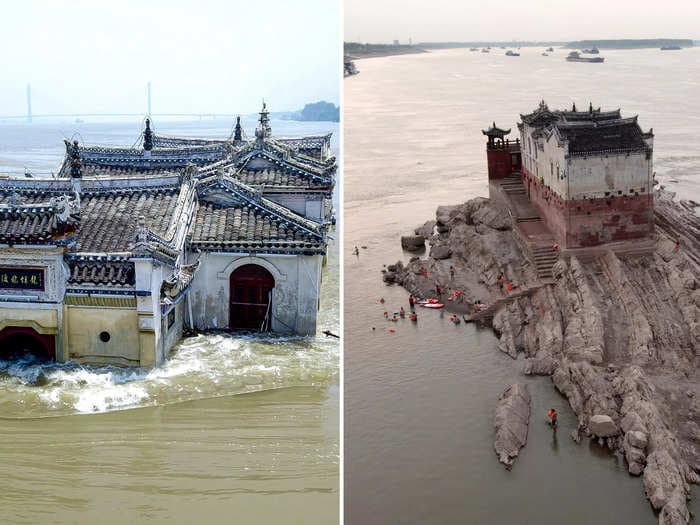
[{"x": 552, "y": 415}]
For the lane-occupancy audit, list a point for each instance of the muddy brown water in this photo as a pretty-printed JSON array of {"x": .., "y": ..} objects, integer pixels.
[
  {"x": 419, "y": 402},
  {"x": 229, "y": 430}
]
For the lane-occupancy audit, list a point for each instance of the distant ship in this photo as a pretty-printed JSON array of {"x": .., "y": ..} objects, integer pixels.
[
  {"x": 550, "y": 50},
  {"x": 473, "y": 49},
  {"x": 545, "y": 55},
  {"x": 593, "y": 51},
  {"x": 575, "y": 56},
  {"x": 510, "y": 53},
  {"x": 671, "y": 48},
  {"x": 484, "y": 50}
]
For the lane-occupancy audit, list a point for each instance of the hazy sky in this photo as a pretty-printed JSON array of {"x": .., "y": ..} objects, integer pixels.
[
  {"x": 381, "y": 21},
  {"x": 200, "y": 55}
]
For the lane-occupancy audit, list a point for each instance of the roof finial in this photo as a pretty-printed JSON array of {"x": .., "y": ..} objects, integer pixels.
[
  {"x": 75, "y": 163},
  {"x": 573, "y": 107},
  {"x": 264, "y": 130},
  {"x": 148, "y": 136},
  {"x": 238, "y": 133},
  {"x": 590, "y": 107}
]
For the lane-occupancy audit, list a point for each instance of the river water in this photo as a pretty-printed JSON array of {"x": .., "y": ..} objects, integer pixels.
[
  {"x": 419, "y": 402},
  {"x": 229, "y": 429}
]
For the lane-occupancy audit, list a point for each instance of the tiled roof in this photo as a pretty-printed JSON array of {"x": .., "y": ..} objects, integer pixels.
[
  {"x": 98, "y": 160},
  {"x": 311, "y": 145},
  {"x": 100, "y": 271},
  {"x": 279, "y": 178},
  {"x": 97, "y": 171},
  {"x": 233, "y": 215},
  {"x": 593, "y": 131},
  {"x": 615, "y": 135},
  {"x": 35, "y": 222},
  {"x": 109, "y": 219}
]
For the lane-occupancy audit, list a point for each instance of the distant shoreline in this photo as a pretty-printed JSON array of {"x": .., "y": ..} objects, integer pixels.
[{"x": 359, "y": 51}]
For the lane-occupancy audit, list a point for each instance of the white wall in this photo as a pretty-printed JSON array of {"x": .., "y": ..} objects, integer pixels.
[
  {"x": 294, "y": 297},
  {"x": 592, "y": 177},
  {"x": 585, "y": 176}
]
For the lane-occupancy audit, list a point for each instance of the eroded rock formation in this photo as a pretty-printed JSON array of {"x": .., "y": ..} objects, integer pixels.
[
  {"x": 618, "y": 333},
  {"x": 511, "y": 422}
]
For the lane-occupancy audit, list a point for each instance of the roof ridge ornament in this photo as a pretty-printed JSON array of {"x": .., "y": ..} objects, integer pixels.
[
  {"x": 148, "y": 136},
  {"x": 75, "y": 163},
  {"x": 238, "y": 132},
  {"x": 264, "y": 130},
  {"x": 186, "y": 175}
]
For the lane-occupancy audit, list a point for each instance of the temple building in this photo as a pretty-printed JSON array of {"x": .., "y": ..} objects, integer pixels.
[
  {"x": 587, "y": 174},
  {"x": 109, "y": 262}
]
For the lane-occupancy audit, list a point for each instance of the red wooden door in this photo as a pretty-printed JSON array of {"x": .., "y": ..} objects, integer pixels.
[{"x": 250, "y": 295}]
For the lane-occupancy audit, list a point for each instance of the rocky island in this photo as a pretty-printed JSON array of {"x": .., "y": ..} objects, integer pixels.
[{"x": 603, "y": 297}]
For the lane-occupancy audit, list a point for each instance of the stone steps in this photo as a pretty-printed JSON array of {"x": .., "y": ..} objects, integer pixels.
[{"x": 488, "y": 313}]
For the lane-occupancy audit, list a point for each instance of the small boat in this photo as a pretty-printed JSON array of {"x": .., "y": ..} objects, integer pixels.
[
  {"x": 545, "y": 55},
  {"x": 550, "y": 50},
  {"x": 575, "y": 56},
  {"x": 593, "y": 51},
  {"x": 484, "y": 50},
  {"x": 510, "y": 53},
  {"x": 671, "y": 48},
  {"x": 473, "y": 49},
  {"x": 433, "y": 305}
]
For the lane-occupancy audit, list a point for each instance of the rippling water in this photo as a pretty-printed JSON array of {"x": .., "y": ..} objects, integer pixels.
[
  {"x": 229, "y": 428},
  {"x": 419, "y": 401}
]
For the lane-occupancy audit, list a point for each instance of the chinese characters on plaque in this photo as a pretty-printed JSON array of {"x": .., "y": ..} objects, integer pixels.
[{"x": 21, "y": 278}]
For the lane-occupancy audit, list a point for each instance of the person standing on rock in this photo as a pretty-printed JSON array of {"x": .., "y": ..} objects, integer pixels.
[{"x": 452, "y": 272}]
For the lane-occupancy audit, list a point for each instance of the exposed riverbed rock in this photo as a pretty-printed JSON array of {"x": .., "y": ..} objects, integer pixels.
[
  {"x": 511, "y": 422},
  {"x": 413, "y": 243},
  {"x": 440, "y": 252},
  {"x": 619, "y": 334},
  {"x": 601, "y": 425}
]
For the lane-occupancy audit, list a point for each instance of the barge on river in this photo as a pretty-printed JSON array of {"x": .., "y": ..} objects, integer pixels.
[{"x": 575, "y": 56}]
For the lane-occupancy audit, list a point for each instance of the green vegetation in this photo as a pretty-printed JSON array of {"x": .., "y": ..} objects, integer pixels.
[{"x": 317, "y": 111}]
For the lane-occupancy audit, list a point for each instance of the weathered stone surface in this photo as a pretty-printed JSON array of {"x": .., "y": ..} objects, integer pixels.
[
  {"x": 413, "y": 243},
  {"x": 636, "y": 439},
  {"x": 511, "y": 422},
  {"x": 602, "y": 426},
  {"x": 440, "y": 252},
  {"x": 540, "y": 365}
]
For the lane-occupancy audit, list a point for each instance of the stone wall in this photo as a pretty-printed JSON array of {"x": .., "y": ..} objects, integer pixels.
[
  {"x": 295, "y": 297},
  {"x": 82, "y": 326},
  {"x": 589, "y": 222}
]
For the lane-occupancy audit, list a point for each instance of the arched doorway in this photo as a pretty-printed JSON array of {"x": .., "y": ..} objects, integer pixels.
[
  {"x": 17, "y": 342},
  {"x": 250, "y": 305}
]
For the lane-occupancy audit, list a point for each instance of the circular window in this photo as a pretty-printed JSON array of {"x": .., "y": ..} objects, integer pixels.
[{"x": 104, "y": 337}]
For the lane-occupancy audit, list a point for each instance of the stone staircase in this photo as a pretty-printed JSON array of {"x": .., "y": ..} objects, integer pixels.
[
  {"x": 512, "y": 185},
  {"x": 544, "y": 257},
  {"x": 486, "y": 316}
]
